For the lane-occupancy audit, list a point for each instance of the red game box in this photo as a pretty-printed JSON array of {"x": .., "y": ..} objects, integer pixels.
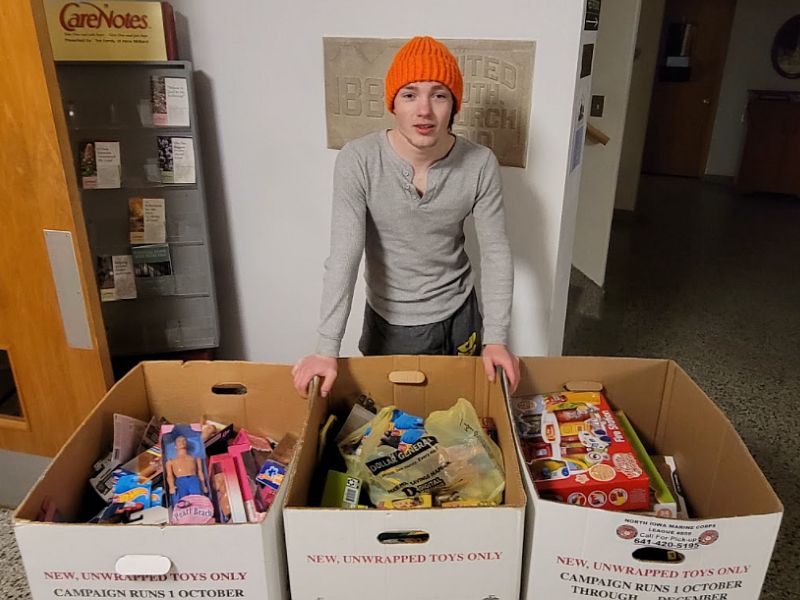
[{"x": 577, "y": 452}]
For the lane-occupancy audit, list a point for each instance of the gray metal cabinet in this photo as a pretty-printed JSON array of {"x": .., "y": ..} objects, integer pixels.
[{"x": 110, "y": 101}]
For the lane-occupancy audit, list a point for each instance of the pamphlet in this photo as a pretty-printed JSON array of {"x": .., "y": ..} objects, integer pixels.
[
  {"x": 115, "y": 277},
  {"x": 100, "y": 165},
  {"x": 152, "y": 266},
  {"x": 176, "y": 159},
  {"x": 170, "y": 101},
  {"x": 147, "y": 220}
]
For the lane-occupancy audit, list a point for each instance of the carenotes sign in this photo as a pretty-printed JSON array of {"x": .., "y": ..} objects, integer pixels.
[{"x": 96, "y": 30}]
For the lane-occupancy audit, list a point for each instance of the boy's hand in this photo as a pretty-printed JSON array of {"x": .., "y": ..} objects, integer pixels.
[
  {"x": 497, "y": 355},
  {"x": 310, "y": 366}
]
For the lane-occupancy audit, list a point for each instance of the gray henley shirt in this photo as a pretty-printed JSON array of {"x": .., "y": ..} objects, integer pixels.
[{"x": 417, "y": 271}]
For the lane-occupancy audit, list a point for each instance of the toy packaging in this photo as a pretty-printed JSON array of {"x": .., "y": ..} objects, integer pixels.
[
  {"x": 668, "y": 469},
  {"x": 341, "y": 490},
  {"x": 247, "y": 467},
  {"x": 270, "y": 476},
  {"x": 194, "y": 474},
  {"x": 421, "y": 501},
  {"x": 577, "y": 452},
  {"x": 185, "y": 474},
  {"x": 225, "y": 490},
  {"x": 215, "y": 436},
  {"x": 273, "y": 471},
  {"x": 662, "y": 502},
  {"x": 146, "y": 464}
]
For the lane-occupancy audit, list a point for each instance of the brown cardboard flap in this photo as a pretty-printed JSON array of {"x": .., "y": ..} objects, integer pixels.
[
  {"x": 184, "y": 392},
  {"x": 65, "y": 479},
  {"x": 306, "y": 462},
  {"x": 718, "y": 474},
  {"x": 498, "y": 410}
]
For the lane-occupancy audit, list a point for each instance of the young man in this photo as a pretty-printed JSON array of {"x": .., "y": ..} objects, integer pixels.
[{"x": 401, "y": 196}]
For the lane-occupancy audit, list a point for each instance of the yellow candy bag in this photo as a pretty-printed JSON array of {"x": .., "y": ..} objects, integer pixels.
[{"x": 450, "y": 457}]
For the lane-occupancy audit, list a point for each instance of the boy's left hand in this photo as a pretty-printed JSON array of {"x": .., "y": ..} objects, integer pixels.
[{"x": 497, "y": 355}]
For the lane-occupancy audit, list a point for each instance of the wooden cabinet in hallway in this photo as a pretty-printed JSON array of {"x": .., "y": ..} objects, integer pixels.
[{"x": 769, "y": 160}]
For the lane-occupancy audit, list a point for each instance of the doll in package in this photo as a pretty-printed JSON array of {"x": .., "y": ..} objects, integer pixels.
[{"x": 186, "y": 475}]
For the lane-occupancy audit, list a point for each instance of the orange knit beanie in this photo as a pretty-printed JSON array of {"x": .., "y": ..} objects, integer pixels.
[{"x": 423, "y": 59}]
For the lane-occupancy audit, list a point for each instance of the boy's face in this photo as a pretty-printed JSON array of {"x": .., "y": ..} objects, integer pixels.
[{"x": 422, "y": 112}]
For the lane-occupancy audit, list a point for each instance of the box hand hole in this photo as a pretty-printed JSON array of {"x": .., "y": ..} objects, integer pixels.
[
  {"x": 229, "y": 389},
  {"x": 407, "y": 377},
  {"x": 142, "y": 564},
  {"x": 658, "y": 555},
  {"x": 414, "y": 536}
]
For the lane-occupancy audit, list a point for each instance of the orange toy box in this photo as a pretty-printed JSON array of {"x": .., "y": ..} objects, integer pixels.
[{"x": 577, "y": 452}]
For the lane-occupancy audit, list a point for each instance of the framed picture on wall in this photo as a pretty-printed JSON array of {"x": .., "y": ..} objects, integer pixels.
[{"x": 786, "y": 49}]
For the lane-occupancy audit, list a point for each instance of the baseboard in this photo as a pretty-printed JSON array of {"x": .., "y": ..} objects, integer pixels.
[
  {"x": 20, "y": 471},
  {"x": 719, "y": 179}
]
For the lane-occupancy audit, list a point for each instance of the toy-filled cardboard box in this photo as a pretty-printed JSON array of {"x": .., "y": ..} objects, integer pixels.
[
  {"x": 722, "y": 553},
  {"x": 475, "y": 552},
  {"x": 69, "y": 558}
]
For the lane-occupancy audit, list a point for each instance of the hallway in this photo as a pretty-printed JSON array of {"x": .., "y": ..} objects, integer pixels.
[{"x": 711, "y": 279}]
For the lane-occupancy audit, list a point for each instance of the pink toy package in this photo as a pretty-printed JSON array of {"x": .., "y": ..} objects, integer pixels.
[
  {"x": 186, "y": 475},
  {"x": 246, "y": 470},
  {"x": 228, "y": 501}
]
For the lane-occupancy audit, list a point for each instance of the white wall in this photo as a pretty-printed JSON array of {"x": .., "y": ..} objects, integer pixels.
[
  {"x": 268, "y": 172},
  {"x": 642, "y": 78},
  {"x": 613, "y": 62},
  {"x": 747, "y": 66}
]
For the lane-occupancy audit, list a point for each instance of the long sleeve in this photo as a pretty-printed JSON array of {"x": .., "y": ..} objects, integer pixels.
[
  {"x": 497, "y": 269},
  {"x": 348, "y": 232}
]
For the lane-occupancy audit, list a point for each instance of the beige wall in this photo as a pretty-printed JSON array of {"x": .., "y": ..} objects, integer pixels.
[
  {"x": 747, "y": 66},
  {"x": 611, "y": 78},
  {"x": 642, "y": 78},
  {"x": 260, "y": 90}
]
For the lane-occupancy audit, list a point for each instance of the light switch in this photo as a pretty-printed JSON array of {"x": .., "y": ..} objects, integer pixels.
[{"x": 597, "y": 106}]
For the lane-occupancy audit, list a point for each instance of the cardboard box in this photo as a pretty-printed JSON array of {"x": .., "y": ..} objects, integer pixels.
[
  {"x": 574, "y": 552},
  {"x": 76, "y": 559},
  {"x": 454, "y": 553},
  {"x": 577, "y": 452}
]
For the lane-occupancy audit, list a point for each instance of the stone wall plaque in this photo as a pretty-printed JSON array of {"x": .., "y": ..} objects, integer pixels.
[{"x": 495, "y": 110}]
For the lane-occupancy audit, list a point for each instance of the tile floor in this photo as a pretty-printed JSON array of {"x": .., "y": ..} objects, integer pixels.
[{"x": 712, "y": 280}]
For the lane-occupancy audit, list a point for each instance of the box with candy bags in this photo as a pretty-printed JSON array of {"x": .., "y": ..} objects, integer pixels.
[
  {"x": 444, "y": 460},
  {"x": 198, "y": 475},
  {"x": 398, "y": 477}
]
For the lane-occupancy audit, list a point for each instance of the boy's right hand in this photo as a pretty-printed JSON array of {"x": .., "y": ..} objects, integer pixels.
[{"x": 309, "y": 367}]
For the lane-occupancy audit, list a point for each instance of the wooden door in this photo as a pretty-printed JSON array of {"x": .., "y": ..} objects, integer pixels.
[
  {"x": 682, "y": 112},
  {"x": 51, "y": 331}
]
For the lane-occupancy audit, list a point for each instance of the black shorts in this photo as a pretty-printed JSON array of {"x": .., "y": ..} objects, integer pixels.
[{"x": 458, "y": 335}]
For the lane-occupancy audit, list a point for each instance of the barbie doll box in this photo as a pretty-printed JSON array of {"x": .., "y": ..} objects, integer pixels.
[
  {"x": 64, "y": 556},
  {"x": 722, "y": 552}
]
